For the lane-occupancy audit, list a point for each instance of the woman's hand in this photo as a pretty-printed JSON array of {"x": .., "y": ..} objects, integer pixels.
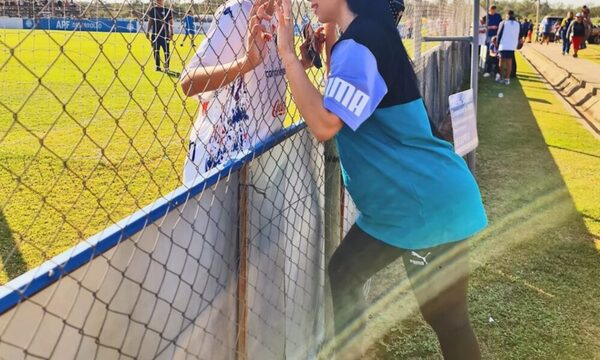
[
  {"x": 320, "y": 39},
  {"x": 285, "y": 32},
  {"x": 322, "y": 123},
  {"x": 257, "y": 37}
]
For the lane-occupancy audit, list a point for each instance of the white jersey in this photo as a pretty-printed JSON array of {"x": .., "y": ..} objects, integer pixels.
[
  {"x": 235, "y": 117},
  {"x": 510, "y": 35}
]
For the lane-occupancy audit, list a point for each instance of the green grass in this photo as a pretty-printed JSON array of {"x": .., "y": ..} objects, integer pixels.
[
  {"x": 592, "y": 53},
  {"x": 89, "y": 133},
  {"x": 535, "y": 268},
  {"x": 409, "y": 45},
  {"x": 84, "y": 138}
]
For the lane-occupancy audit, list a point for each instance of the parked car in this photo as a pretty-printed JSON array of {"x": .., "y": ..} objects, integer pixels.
[
  {"x": 552, "y": 21},
  {"x": 595, "y": 35}
]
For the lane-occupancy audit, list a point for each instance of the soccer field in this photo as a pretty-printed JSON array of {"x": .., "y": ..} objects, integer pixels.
[
  {"x": 94, "y": 100},
  {"x": 89, "y": 133}
]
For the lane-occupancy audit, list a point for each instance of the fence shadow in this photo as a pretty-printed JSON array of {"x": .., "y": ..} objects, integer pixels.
[{"x": 12, "y": 263}]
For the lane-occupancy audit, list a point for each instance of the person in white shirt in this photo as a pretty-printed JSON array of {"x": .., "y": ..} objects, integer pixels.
[
  {"x": 238, "y": 77},
  {"x": 508, "y": 41}
]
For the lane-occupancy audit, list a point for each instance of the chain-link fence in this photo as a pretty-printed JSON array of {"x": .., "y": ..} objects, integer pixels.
[
  {"x": 442, "y": 67},
  {"x": 139, "y": 222}
]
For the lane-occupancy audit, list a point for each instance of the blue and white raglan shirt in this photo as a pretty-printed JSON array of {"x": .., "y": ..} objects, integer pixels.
[{"x": 411, "y": 189}]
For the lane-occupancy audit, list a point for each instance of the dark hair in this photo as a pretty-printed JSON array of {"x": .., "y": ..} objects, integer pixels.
[
  {"x": 511, "y": 13},
  {"x": 378, "y": 10},
  {"x": 493, "y": 7}
]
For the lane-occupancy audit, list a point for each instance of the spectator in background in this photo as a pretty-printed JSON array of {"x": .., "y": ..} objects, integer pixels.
[
  {"x": 585, "y": 12},
  {"x": 508, "y": 40},
  {"x": 576, "y": 32},
  {"x": 564, "y": 26},
  {"x": 587, "y": 21},
  {"x": 482, "y": 34},
  {"x": 546, "y": 30},
  {"x": 493, "y": 20},
  {"x": 556, "y": 31},
  {"x": 513, "y": 71},
  {"x": 189, "y": 28},
  {"x": 160, "y": 32},
  {"x": 524, "y": 30},
  {"x": 494, "y": 57},
  {"x": 530, "y": 32}
]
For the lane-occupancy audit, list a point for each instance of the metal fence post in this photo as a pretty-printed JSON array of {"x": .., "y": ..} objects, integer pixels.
[
  {"x": 333, "y": 217},
  {"x": 333, "y": 184},
  {"x": 242, "y": 289},
  {"x": 471, "y": 160},
  {"x": 417, "y": 34}
]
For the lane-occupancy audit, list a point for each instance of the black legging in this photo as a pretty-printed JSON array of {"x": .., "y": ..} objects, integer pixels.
[
  {"x": 513, "y": 71},
  {"x": 438, "y": 277},
  {"x": 158, "y": 42}
]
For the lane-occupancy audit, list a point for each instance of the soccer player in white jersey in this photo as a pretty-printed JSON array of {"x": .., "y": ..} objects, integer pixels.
[{"x": 238, "y": 78}]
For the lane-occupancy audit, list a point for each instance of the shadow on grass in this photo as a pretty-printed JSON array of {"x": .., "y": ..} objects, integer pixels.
[
  {"x": 12, "y": 262},
  {"x": 531, "y": 78},
  {"x": 575, "y": 151},
  {"x": 534, "y": 269},
  {"x": 539, "y": 100},
  {"x": 591, "y": 218}
]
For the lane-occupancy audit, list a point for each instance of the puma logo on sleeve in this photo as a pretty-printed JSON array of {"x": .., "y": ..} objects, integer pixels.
[{"x": 347, "y": 95}]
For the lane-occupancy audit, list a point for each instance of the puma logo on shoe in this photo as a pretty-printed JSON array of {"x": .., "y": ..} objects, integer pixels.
[{"x": 422, "y": 260}]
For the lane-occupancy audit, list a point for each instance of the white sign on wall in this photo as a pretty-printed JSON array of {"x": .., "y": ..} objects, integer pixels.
[{"x": 464, "y": 122}]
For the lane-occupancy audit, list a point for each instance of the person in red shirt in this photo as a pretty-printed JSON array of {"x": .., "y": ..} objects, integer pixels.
[{"x": 576, "y": 33}]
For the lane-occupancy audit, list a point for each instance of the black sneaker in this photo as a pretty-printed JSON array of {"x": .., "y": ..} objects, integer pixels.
[{"x": 158, "y": 68}]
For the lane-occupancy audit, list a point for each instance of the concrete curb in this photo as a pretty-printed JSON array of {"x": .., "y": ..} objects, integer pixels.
[{"x": 583, "y": 96}]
